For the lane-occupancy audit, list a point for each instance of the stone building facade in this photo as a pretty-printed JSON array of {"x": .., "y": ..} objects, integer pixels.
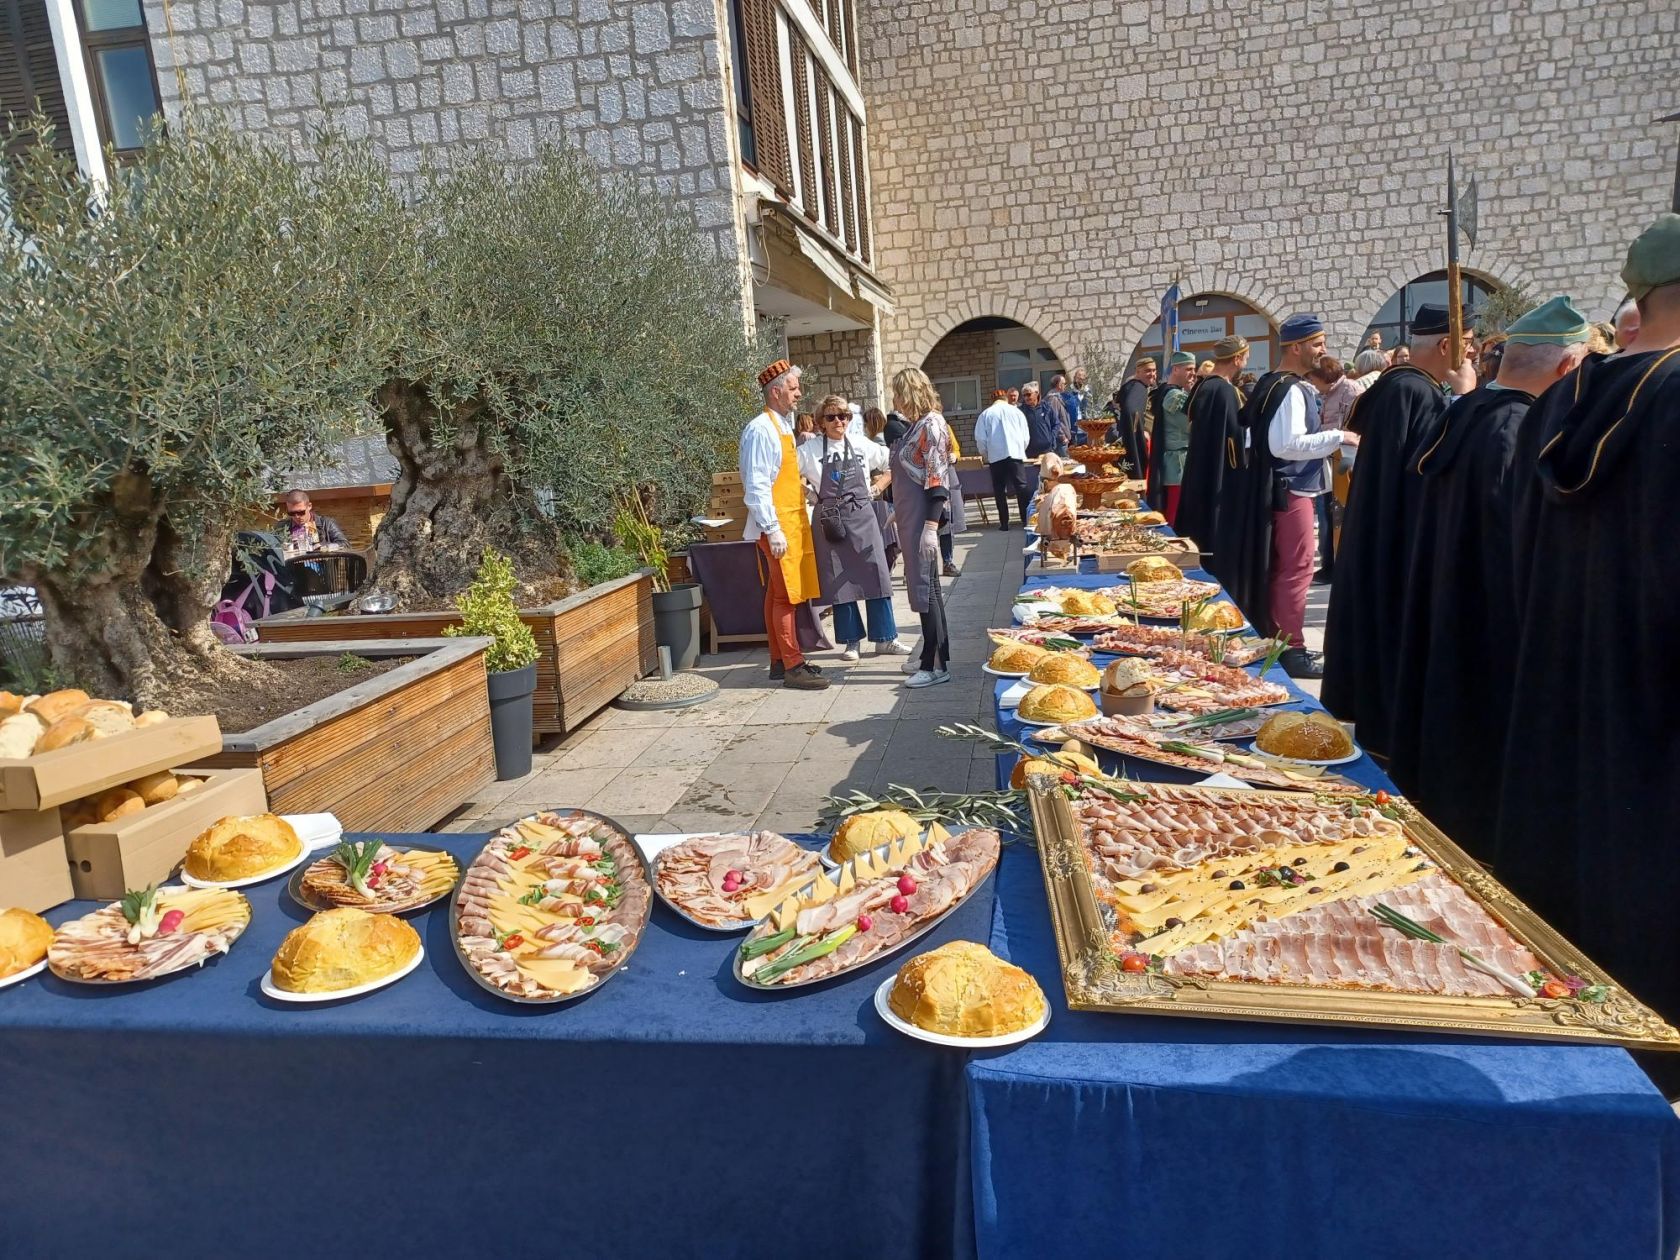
[{"x": 1061, "y": 162}]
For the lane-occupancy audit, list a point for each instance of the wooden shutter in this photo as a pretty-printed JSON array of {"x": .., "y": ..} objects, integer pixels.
[
  {"x": 29, "y": 69},
  {"x": 801, "y": 106},
  {"x": 764, "y": 81},
  {"x": 842, "y": 151},
  {"x": 825, "y": 152},
  {"x": 862, "y": 192}
]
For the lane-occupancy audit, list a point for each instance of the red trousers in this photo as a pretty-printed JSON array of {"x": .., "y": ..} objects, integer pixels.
[
  {"x": 1170, "y": 509},
  {"x": 778, "y": 611},
  {"x": 1292, "y": 568}
]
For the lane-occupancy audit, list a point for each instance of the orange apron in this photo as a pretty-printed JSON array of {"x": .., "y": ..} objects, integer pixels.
[{"x": 787, "y": 496}]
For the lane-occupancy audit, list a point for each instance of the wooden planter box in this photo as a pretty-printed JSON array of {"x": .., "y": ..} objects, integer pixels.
[
  {"x": 591, "y": 645},
  {"x": 394, "y": 753}
]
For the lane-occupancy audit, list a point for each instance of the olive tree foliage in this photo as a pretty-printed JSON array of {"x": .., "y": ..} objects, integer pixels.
[
  {"x": 568, "y": 340},
  {"x": 164, "y": 339}
]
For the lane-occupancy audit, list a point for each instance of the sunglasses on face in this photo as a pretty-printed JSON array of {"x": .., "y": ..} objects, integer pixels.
[
  {"x": 835, "y": 416},
  {"x": 297, "y": 511}
]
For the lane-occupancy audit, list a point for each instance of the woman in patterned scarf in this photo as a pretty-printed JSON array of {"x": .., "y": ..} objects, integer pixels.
[{"x": 925, "y": 493}]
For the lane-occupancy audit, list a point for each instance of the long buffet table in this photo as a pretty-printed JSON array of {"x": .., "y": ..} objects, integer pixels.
[{"x": 673, "y": 1112}]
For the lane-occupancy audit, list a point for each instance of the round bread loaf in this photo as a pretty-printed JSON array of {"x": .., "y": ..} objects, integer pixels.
[
  {"x": 862, "y": 832},
  {"x": 10, "y": 703},
  {"x": 118, "y": 803},
  {"x": 1219, "y": 616},
  {"x": 1015, "y": 658},
  {"x": 183, "y": 786},
  {"x": 64, "y": 732},
  {"x": 1153, "y": 569},
  {"x": 1087, "y": 604},
  {"x": 24, "y": 938},
  {"x": 1127, "y": 677},
  {"x": 56, "y": 705},
  {"x": 19, "y": 734},
  {"x": 342, "y": 948},
  {"x": 154, "y": 789},
  {"x": 964, "y": 990},
  {"x": 108, "y": 717},
  {"x": 151, "y": 717},
  {"x": 1304, "y": 736},
  {"x": 237, "y": 848},
  {"x": 1065, "y": 668},
  {"x": 1051, "y": 702}
]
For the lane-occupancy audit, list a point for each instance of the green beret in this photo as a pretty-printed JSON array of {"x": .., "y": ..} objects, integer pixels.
[
  {"x": 1553, "y": 323},
  {"x": 1653, "y": 259},
  {"x": 1181, "y": 357}
]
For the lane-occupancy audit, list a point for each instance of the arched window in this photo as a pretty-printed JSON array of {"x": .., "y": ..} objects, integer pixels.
[
  {"x": 1207, "y": 318},
  {"x": 1396, "y": 315}
]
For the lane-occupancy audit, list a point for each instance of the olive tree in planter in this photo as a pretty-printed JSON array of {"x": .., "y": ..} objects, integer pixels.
[
  {"x": 487, "y": 608},
  {"x": 165, "y": 338}
]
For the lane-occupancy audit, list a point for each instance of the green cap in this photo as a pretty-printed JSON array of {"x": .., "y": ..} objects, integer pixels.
[
  {"x": 1181, "y": 357},
  {"x": 1653, "y": 259},
  {"x": 1553, "y": 323}
]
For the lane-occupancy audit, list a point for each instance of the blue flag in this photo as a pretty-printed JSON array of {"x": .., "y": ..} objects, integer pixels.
[{"x": 1169, "y": 320}]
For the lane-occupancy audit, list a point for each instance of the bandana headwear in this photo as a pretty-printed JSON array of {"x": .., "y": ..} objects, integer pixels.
[
  {"x": 1553, "y": 323},
  {"x": 1299, "y": 328},
  {"x": 1229, "y": 347},
  {"x": 779, "y": 368},
  {"x": 1431, "y": 321}
]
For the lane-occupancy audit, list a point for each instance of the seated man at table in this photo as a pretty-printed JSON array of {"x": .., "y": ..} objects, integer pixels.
[{"x": 305, "y": 531}]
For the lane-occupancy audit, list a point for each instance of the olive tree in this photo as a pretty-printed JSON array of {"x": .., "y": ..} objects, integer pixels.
[
  {"x": 568, "y": 339},
  {"x": 165, "y": 338}
]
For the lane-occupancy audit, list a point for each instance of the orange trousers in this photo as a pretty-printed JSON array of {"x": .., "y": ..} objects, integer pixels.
[{"x": 778, "y": 611}]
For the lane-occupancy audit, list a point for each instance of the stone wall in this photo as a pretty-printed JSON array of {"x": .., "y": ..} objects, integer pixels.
[
  {"x": 845, "y": 363},
  {"x": 639, "y": 85},
  {"x": 1292, "y": 157},
  {"x": 965, "y": 354}
]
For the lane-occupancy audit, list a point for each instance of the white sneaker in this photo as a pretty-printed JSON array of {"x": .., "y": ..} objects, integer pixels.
[
  {"x": 851, "y": 652},
  {"x": 928, "y": 677},
  {"x": 892, "y": 648},
  {"x": 912, "y": 664}
]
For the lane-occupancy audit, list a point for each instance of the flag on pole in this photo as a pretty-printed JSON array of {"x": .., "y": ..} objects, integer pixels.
[{"x": 1169, "y": 320}]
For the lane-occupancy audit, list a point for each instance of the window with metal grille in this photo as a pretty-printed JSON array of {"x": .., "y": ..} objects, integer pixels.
[
  {"x": 29, "y": 71},
  {"x": 120, "y": 70}
]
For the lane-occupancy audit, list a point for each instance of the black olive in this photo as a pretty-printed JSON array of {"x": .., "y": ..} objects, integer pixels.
[
  {"x": 1172, "y": 923},
  {"x": 1236, "y": 884},
  {"x": 1147, "y": 888},
  {"x": 1315, "y": 888},
  {"x": 1338, "y": 868},
  {"x": 1301, "y": 861}
]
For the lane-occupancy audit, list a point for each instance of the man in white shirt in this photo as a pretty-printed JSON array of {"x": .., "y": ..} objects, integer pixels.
[
  {"x": 778, "y": 523},
  {"x": 1001, "y": 436},
  {"x": 1299, "y": 445}
]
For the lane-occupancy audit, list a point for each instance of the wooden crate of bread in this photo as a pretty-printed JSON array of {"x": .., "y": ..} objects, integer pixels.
[
  {"x": 34, "y": 872},
  {"x": 1190, "y": 556},
  {"x": 142, "y": 843}
]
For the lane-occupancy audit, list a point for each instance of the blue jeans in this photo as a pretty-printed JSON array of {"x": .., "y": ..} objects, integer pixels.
[{"x": 883, "y": 626}]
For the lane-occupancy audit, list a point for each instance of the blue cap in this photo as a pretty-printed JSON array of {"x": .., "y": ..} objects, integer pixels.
[{"x": 1299, "y": 328}]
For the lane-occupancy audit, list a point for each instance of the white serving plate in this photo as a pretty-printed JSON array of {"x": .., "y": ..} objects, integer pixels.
[
  {"x": 1003, "y": 673},
  {"x": 310, "y": 846},
  {"x": 23, "y": 975},
  {"x": 1355, "y": 755},
  {"x": 338, "y": 995},
  {"x": 885, "y": 1011}
]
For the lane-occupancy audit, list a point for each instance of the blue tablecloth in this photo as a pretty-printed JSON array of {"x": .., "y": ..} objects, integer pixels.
[
  {"x": 1130, "y": 1134},
  {"x": 671, "y": 1113}
]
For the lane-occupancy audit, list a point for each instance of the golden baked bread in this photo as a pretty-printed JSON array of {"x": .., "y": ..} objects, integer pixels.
[
  {"x": 1153, "y": 569},
  {"x": 1219, "y": 616},
  {"x": 1128, "y": 677},
  {"x": 1053, "y": 763},
  {"x": 108, "y": 717},
  {"x": 236, "y": 848},
  {"x": 154, "y": 789},
  {"x": 1087, "y": 604},
  {"x": 1051, "y": 702},
  {"x": 151, "y": 717},
  {"x": 183, "y": 786},
  {"x": 1016, "y": 658},
  {"x": 10, "y": 703},
  {"x": 19, "y": 734},
  {"x": 342, "y": 948},
  {"x": 64, "y": 732},
  {"x": 118, "y": 803},
  {"x": 56, "y": 705},
  {"x": 964, "y": 990},
  {"x": 1149, "y": 518},
  {"x": 862, "y": 832},
  {"x": 24, "y": 938},
  {"x": 1309, "y": 736},
  {"x": 1066, "y": 668}
]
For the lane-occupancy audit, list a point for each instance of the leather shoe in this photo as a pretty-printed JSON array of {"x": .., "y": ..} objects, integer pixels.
[
  {"x": 778, "y": 671},
  {"x": 951, "y": 570},
  {"x": 805, "y": 678},
  {"x": 1300, "y": 663}
]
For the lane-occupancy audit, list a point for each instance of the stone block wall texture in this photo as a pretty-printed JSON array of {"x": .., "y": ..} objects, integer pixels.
[
  {"x": 641, "y": 86},
  {"x": 1293, "y": 156},
  {"x": 844, "y": 363},
  {"x": 958, "y": 355}
]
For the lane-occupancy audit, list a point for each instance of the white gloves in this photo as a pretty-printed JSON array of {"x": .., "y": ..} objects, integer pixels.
[{"x": 778, "y": 544}]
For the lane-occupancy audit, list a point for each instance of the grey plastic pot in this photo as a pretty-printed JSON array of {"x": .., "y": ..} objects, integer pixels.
[
  {"x": 676, "y": 623},
  {"x": 510, "y": 720}
]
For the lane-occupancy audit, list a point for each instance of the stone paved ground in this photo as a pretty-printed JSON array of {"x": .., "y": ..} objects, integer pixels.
[{"x": 757, "y": 755}]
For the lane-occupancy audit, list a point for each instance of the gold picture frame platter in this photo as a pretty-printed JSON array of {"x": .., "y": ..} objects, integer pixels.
[{"x": 1094, "y": 981}]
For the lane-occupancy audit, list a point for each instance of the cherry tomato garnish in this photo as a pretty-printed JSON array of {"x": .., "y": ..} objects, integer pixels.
[
  {"x": 523, "y": 851},
  {"x": 1383, "y": 798},
  {"x": 1554, "y": 989},
  {"x": 508, "y": 942},
  {"x": 1134, "y": 963}
]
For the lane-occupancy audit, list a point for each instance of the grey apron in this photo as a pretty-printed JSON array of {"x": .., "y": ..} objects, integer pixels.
[
  {"x": 856, "y": 568},
  {"x": 910, "y": 514}
]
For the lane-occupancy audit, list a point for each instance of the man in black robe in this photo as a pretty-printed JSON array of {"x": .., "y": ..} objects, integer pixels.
[
  {"x": 1454, "y": 677},
  {"x": 1215, "y": 439},
  {"x": 1395, "y": 420},
  {"x": 1181, "y": 371},
  {"x": 1253, "y": 491},
  {"x": 1134, "y": 404},
  {"x": 1588, "y": 811}
]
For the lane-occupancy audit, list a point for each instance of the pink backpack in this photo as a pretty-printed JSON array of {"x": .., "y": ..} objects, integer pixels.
[{"x": 229, "y": 620}]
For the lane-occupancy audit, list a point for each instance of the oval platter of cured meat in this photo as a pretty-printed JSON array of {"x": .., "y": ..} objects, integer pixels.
[
  {"x": 149, "y": 934},
  {"x": 370, "y": 875},
  {"x": 726, "y": 883},
  {"x": 552, "y": 907},
  {"x": 869, "y": 909}
]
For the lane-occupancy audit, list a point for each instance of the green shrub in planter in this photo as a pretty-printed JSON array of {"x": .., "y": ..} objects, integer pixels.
[
  {"x": 595, "y": 562},
  {"x": 487, "y": 608}
]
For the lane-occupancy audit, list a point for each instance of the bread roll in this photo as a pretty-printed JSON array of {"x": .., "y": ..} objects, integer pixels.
[
  {"x": 64, "y": 732},
  {"x": 10, "y": 703},
  {"x": 108, "y": 717},
  {"x": 151, "y": 717},
  {"x": 236, "y": 848},
  {"x": 118, "y": 803},
  {"x": 964, "y": 990},
  {"x": 342, "y": 948},
  {"x": 862, "y": 832},
  {"x": 154, "y": 789},
  {"x": 24, "y": 938},
  {"x": 56, "y": 705},
  {"x": 79, "y": 813},
  {"x": 183, "y": 786},
  {"x": 19, "y": 734}
]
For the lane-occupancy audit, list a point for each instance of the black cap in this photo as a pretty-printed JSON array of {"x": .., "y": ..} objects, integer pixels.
[{"x": 1430, "y": 320}]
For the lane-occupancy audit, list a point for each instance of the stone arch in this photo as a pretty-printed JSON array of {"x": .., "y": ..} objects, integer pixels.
[
  {"x": 1490, "y": 266},
  {"x": 1055, "y": 332}
]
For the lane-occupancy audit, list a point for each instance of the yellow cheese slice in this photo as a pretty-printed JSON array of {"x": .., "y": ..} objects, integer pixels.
[
  {"x": 823, "y": 890},
  {"x": 936, "y": 831},
  {"x": 537, "y": 833},
  {"x": 848, "y": 880},
  {"x": 785, "y": 914},
  {"x": 508, "y": 915},
  {"x": 562, "y": 975}
]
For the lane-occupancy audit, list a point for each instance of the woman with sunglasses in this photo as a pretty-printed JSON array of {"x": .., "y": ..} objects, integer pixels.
[{"x": 846, "y": 472}]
